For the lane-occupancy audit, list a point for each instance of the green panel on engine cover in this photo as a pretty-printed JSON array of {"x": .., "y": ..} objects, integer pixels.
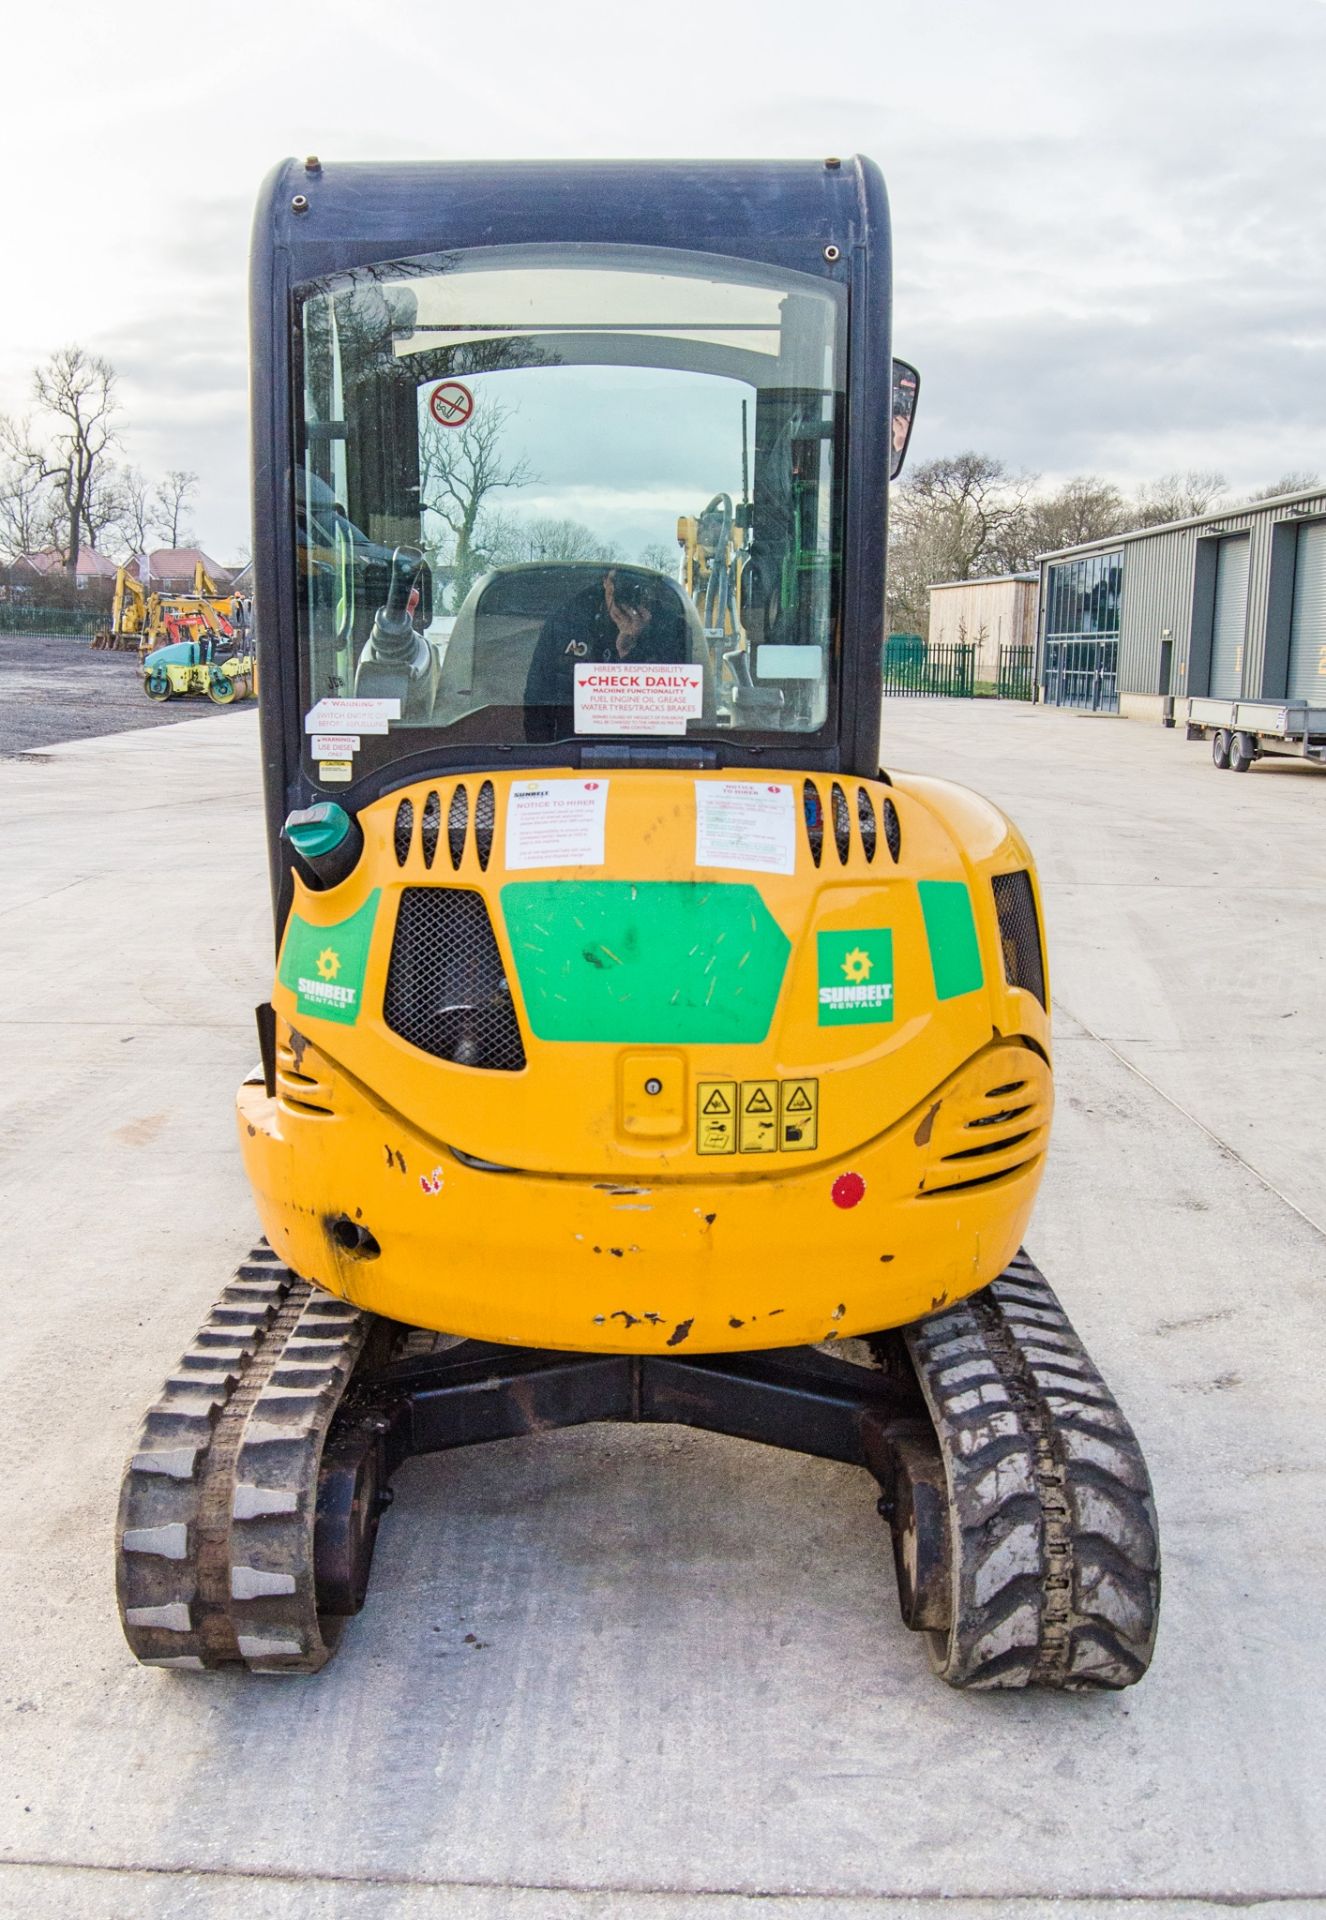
[{"x": 657, "y": 962}]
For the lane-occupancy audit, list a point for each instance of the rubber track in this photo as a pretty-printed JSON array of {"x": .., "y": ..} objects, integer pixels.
[
  {"x": 1055, "y": 1555},
  {"x": 215, "y": 1541}
]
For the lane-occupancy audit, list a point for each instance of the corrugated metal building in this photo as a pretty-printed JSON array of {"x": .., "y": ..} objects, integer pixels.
[
  {"x": 1231, "y": 604},
  {"x": 990, "y": 615}
]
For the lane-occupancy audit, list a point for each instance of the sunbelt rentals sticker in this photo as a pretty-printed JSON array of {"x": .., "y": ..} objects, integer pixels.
[
  {"x": 855, "y": 977},
  {"x": 324, "y": 966}
]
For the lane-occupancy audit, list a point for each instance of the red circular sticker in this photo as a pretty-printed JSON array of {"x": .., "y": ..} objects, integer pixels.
[
  {"x": 451, "y": 404},
  {"x": 848, "y": 1190}
]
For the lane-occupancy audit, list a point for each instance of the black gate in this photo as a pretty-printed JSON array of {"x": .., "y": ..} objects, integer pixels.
[
  {"x": 913, "y": 667},
  {"x": 1017, "y": 673}
]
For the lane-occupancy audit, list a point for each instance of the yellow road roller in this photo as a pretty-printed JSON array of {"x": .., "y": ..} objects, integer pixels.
[{"x": 640, "y": 1047}]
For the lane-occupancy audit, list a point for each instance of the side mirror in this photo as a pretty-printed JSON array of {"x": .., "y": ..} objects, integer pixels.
[{"x": 906, "y": 386}]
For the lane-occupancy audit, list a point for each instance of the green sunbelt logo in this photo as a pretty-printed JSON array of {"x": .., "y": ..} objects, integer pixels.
[
  {"x": 324, "y": 966},
  {"x": 855, "y": 977}
]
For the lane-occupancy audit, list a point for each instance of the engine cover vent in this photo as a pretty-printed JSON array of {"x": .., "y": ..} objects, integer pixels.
[
  {"x": 485, "y": 819},
  {"x": 1020, "y": 932},
  {"x": 458, "y": 815},
  {"x": 404, "y": 831},
  {"x": 447, "y": 990}
]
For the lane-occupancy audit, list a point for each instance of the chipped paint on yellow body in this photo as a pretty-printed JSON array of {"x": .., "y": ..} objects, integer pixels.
[{"x": 562, "y": 1206}]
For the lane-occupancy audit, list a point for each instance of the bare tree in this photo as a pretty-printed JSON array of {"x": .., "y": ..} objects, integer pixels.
[
  {"x": 958, "y": 517},
  {"x": 135, "y": 522},
  {"x": 662, "y": 557},
  {"x": 103, "y": 508},
  {"x": 171, "y": 505},
  {"x": 1084, "y": 508},
  {"x": 459, "y": 468},
  {"x": 27, "y": 500},
  {"x": 1293, "y": 482},
  {"x": 77, "y": 388},
  {"x": 506, "y": 539},
  {"x": 1178, "y": 496}
]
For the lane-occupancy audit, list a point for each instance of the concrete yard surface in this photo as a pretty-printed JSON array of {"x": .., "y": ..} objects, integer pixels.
[{"x": 646, "y": 1673}]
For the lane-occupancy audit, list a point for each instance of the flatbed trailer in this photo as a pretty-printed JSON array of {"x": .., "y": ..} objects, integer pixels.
[{"x": 1241, "y": 731}]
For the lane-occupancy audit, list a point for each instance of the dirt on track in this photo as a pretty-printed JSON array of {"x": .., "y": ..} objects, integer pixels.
[{"x": 54, "y": 689}]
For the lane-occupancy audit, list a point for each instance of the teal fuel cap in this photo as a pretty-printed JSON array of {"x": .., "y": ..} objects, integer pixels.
[{"x": 317, "y": 830}]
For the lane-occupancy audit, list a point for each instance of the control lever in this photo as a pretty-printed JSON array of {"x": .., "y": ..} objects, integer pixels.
[{"x": 397, "y": 661}]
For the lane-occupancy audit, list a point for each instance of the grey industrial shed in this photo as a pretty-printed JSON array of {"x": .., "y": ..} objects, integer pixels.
[{"x": 1230, "y": 604}]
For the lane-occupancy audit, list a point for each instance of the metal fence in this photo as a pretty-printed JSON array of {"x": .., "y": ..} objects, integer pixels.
[
  {"x": 912, "y": 667},
  {"x": 54, "y": 623},
  {"x": 951, "y": 670},
  {"x": 1017, "y": 673}
]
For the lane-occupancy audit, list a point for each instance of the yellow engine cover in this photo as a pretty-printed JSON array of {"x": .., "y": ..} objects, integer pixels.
[{"x": 653, "y": 1059}]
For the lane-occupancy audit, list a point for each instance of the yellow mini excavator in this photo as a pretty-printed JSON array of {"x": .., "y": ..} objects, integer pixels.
[{"x": 639, "y": 1047}]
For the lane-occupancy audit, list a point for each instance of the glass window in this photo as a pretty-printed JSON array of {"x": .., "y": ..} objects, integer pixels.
[{"x": 569, "y": 494}]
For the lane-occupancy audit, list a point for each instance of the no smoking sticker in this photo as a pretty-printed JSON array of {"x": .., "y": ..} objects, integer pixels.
[{"x": 451, "y": 404}]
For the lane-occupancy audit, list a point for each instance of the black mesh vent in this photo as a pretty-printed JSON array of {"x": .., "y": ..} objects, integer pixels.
[
  {"x": 842, "y": 822},
  {"x": 813, "y": 808},
  {"x": 458, "y": 815},
  {"x": 404, "y": 831},
  {"x": 865, "y": 821},
  {"x": 1020, "y": 932},
  {"x": 430, "y": 828},
  {"x": 892, "y": 831},
  {"x": 485, "y": 819},
  {"x": 447, "y": 992}
]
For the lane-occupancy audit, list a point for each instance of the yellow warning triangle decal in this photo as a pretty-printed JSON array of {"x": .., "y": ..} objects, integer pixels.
[
  {"x": 717, "y": 1102},
  {"x": 759, "y": 1102},
  {"x": 800, "y": 1102}
]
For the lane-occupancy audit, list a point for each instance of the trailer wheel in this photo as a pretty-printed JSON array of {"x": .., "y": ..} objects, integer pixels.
[
  {"x": 1242, "y": 751},
  {"x": 1220, "y": 749}
]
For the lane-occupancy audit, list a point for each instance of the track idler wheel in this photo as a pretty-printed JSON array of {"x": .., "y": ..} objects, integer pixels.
[
  {"x": 918, "y": 1522},
  {"x": 352, "y": 1496}
]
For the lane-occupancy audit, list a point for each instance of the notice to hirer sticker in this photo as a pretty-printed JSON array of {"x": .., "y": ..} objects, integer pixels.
[
  {"x": 555, "y": 823},
  {"x": 351, "y": 716},
  {"x": 749, "y": 824},
  {"x": 619, "y": 698}
]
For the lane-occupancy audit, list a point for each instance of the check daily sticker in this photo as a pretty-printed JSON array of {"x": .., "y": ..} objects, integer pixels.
[
  {"x": 855, "y": 972},
  {"x": 555, "y": 823},
  {"x": 351, "y": 716},
  {"x": 324, "y": 966},
  {"x": 653, "y": 699},
  {"x": 746, "y": 824}
]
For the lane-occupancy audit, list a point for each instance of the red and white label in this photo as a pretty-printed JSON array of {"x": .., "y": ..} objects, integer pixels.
[
  {"x": 615, "y": 697},
  {"x": 451, "y": 404}
]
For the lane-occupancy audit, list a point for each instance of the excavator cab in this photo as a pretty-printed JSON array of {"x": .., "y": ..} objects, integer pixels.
[{"x": 639, "y": 1048}]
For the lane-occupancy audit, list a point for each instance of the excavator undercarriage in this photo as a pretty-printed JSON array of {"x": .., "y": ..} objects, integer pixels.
[{"x": 1023, "y": 1530}]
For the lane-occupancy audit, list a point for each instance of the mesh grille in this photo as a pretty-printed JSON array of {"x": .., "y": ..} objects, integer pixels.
[
  {"x": 1019, "y": 932},
  {"x": 842, "y": 822},
  {"x": 813, "y": 807},
  {"x": 447, "y": 992},
  {"x": 485, "y": 819},
  {"x": 892, "y": 831},
  {"x": 458, "y": 814},
  {"x": 865, "y": 821},
  {"x": 432, "y": 822},
  {"x": 404, "y": 831}
]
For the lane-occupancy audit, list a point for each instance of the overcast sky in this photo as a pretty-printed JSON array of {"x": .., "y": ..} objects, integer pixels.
[{"x": 1108, "y": 222}]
